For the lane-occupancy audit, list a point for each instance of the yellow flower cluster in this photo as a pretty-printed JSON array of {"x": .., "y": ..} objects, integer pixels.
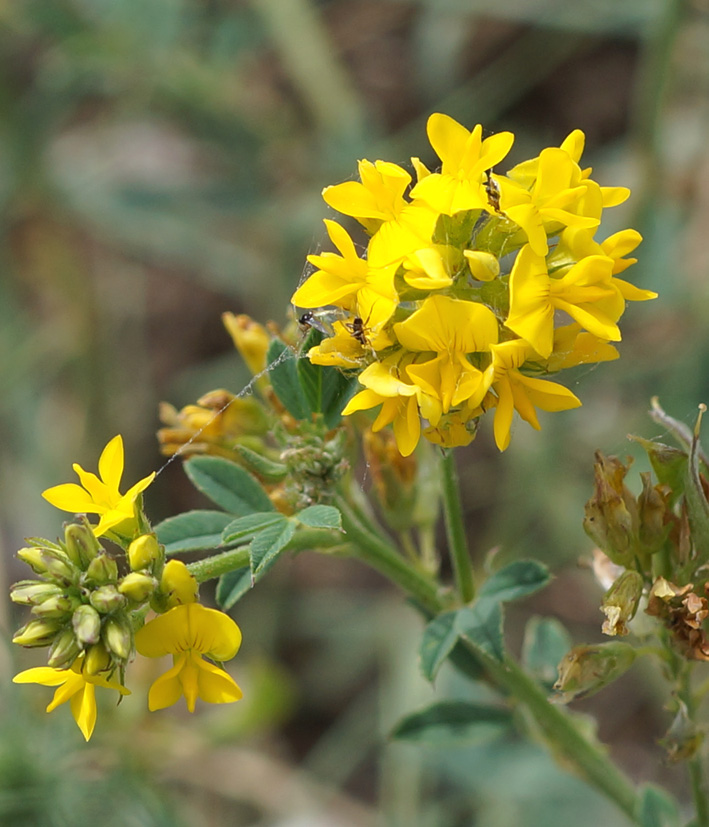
[
  {"x": 85, "y": 609},
  {"x": 472, "y": 285}
]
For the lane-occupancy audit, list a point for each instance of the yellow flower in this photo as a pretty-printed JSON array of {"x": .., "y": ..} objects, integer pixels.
[
  {"x": 586, "y": 292},
  {"x": 400, "y": 400},
  {"x": 348, "y": 281},
  {"x": 398, "y": 226},
  {"x": 100, "y": 496},
  {"x": 466, "y": 157},
  {"x": 521, "y": 393},
  {"x": 75, "y": 686},
  {"x": 188, "y": 632},
  {"x": 573, "y": 346},
  {"x": 450, "y": 328}
]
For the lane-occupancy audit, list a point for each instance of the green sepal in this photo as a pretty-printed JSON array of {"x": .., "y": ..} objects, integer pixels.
[
  {"x": 268, "y": 544},
  {"x": 320, "y": 516},
  {"x": 228, "y": 485},
  {"x": 519, "y": 579},
  {"x": 668, "y": 463},
  {"x": 232, "y": 586},
  {"x": 439, "y": 639},
  {"x": 192, "y": 531},
  {"x": 449, "y": 722},
  {"x": 657, "y": 808},
  {"x": 246, "y": 528},
  {"x": 545, "y": 643},
  {"x": 264, "y": 467},
  {"x": 285, "y": 379},
  {"x": 481, "y": 625}
]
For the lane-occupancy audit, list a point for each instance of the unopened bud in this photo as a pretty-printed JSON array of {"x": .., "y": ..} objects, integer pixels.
[
  {"x": 87, "y": 624},
  {"x": 102, "y": 569},
  {"x": 137, "y": 586},
  {"x": 56, "y": 606},
  {"x": 107, "y": 599},
  {"x": 250, "y": 338},
  {"x": 97, "y": 659},
  {"x": 49, "y": 562},
  {"x": 64, "y": 649},
  {"x": 33, "y": 592},
  {"x": 117, "y": 637},
  {"x": 587, "y": 669},
  {"x": 620, "y": 603},
  {"x": 36, "y": 633},
  {"x": 177, "y": 584},
  {"x": 81, "y": 544},
  {"x": 143, "y": 552}
]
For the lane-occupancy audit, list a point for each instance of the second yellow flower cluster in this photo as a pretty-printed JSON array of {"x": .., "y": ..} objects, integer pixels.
[{"x": 472, "y": 285}]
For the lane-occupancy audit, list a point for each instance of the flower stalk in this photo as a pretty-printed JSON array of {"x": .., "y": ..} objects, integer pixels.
[{"x": 455, "y": 528}]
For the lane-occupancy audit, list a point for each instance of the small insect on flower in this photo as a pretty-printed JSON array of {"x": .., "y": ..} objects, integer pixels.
[
  {"x": 321, "y": 320},
  {"x": 493, "y": 191},
  {"x": 359, "y": 330}
]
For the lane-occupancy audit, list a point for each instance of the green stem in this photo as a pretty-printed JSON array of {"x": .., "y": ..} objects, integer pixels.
[
  {"x": 694, "y": 764},
  {"x": 455, "y": 528},
  {"x": 238, "y": 558},
  {"x": 560, "y": 729},
  {"x": 377, "y": 553}
]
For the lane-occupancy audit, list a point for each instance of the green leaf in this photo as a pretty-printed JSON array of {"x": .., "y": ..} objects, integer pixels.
[
  {"x": 452, "y": 721},
  {"x": 228, "y": 485},
  {"x": 481, "y": 626},
  {"x": 439, "y": 638},
  {"x": 263, "y": 466},
  {"x": 231, "y": 586},
  {"x": 285, "y": 379},
  {"x": 320, "y": 516},
  {"x": 519, "y": 579},
  {"x": 338, "y": 389},
  {"x": 192, "y": 531},
  {"x": 266, "y": 546},
  {"x": 657, "y": 808},
  {"x": 546, "y": 641},
  {"x": 246, "y": 528}
]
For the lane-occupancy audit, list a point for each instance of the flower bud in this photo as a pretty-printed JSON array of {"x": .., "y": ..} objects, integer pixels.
[
  {"x": 178, "y": 584},
  {"x": 81, "y": 544},
  {"x": 49, "y": 562},
  {"x": 118, "y": 637},
  {"x": 36, "y": 633},
  {"x": 102, "y": 569},
  {"x": 87, "y": 624},
  {"x": 250, "y": 338},
  {"x": 106, "y": 599},
  {"x": 621, "y": 602},
  {"x": 137, "y": 586},
  {"x": 64, "y": 649},
  {"x": 56, "y": 606},
  {"x": 97, "y": 659},
  {"x": 143, "y": 552},
  {"x": 33, "y": 592},
  {"x": 587, "y": 669}
]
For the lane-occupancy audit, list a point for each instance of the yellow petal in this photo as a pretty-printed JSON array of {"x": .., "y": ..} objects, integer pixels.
[
  {"x": 215, "y": 685},
  {"x": 71, "y": 497},
  {"x": 110, "y": 463},
  {"x": 83, "y": 708}
]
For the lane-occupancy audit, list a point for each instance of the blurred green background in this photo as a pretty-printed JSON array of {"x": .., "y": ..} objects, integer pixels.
[{"x": 161, "y": 161}]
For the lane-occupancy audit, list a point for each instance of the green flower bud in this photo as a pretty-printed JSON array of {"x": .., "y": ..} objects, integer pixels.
[
  {"x": 620, "y": 603},
  {"x": 143, "y": 552},
  {"x": 64, "y": 649},
  {"x": 102, "y": 569},
  {"x": 81, "y": 544},
  {"x": 87, "y": 624},
  {"x": 118, "y": 637},
  {"x": 33, "y": 592},
  {"x": 97, "y": 659},
  {"x": 137, "y": 586},
  {"x": 49, "y": 562},
  {"x": 107, "y": 599},
  {"x": 587, "y": 669},
  {"x": 36, "y": 633},
  {"x": 57, "y": 606}
]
